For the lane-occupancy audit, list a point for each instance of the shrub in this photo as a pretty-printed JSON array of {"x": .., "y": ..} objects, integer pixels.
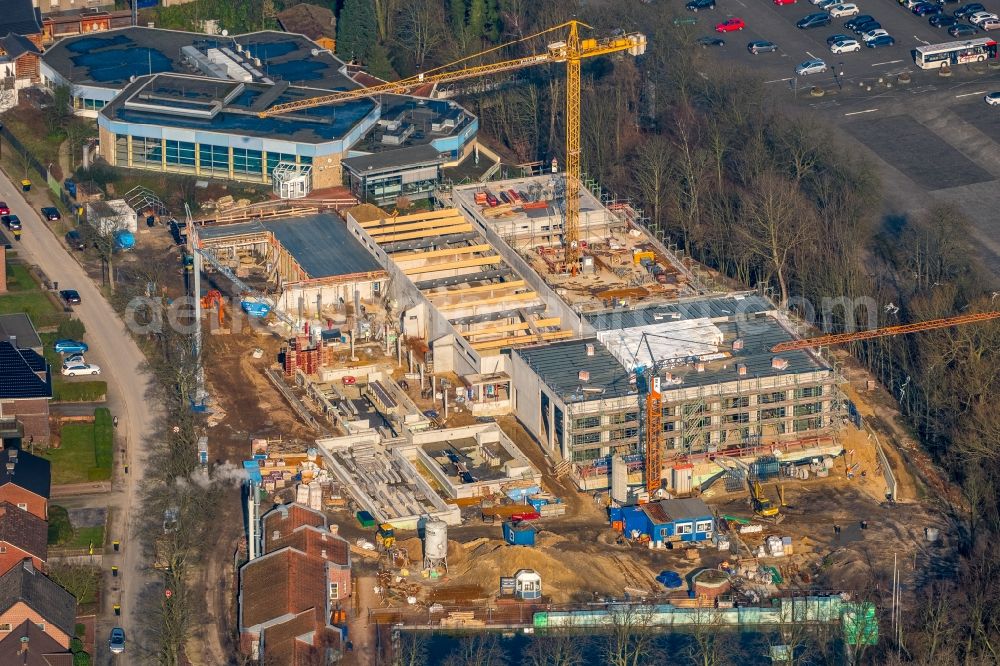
[
  {"x": 81, "y": 659},
  {"x": 60, "y": 529},
  {"x": 72, "y": 329}
]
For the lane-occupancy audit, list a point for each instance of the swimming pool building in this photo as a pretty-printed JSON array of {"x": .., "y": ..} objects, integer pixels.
[{"x": 183, "y": 102}]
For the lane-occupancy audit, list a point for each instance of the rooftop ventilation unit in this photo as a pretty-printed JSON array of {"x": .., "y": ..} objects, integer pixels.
[
  {"x": 741, "y": 369},
  {"x": 779, "y": 363},
  {"x": 584, "y": 375}
]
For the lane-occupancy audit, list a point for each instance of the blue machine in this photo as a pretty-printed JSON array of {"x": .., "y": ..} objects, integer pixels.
[
  {"x": 255, "y": 308},
  {"x": 124, "y": 239},
  {"x": 519, "y": 534}
]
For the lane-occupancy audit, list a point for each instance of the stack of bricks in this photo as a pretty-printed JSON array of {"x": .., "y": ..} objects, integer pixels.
[{"x": 300, "y": 356}]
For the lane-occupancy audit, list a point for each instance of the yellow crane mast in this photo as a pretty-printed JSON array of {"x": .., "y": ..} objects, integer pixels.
[{"x": 571, "y": 51}]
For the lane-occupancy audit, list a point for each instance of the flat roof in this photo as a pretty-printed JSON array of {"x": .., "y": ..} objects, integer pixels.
[
  {"x": 228, "y": 107},
  {"x": 712, "y": 307},
  {"x": 320, "y": 243},
  {"x": 391, "y": 160},
  {"x": 672, "y": 510},
  {"x": 110, "y": 59},
  {"x": 558, "y": 364},
  {"x": 18, "y": 325}
]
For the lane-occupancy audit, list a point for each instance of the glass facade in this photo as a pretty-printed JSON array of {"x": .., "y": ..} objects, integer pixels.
[{"x": 199, "y": 158}]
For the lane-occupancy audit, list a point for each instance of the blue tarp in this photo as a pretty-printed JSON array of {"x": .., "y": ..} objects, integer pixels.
[{"x": 518, "y": 494}]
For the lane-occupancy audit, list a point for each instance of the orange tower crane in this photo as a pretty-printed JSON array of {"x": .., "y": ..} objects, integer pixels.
[
  {"x": 571, "y": 51},
  {"x": 886, "y": 331}
]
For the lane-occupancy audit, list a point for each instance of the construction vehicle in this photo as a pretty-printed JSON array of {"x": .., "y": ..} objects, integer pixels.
[
  {"x": 761, "y": 505},
  {"x": 385, "y": 536},
  {"x": 213, "y": 299},
  {"x": 571, "y": 51}
]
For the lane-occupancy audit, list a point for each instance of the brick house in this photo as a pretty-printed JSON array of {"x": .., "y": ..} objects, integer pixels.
[
  {"x": 25, "y": 390},
  {"x": 28, "y": 594},
  {"x": 23, "y": 536},
  {"x": 28, "y": 645},
  {"x": 290, "y": 595},
  {"x": 25, "y": 481}
]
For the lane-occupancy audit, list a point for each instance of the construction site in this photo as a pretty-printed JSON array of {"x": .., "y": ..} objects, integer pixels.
[{"x": 524, "y": 410}]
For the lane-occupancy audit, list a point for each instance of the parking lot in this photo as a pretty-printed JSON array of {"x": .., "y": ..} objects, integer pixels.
[
  {"x": 933, "y": 139},
  {"x": 765, "y": 20}
]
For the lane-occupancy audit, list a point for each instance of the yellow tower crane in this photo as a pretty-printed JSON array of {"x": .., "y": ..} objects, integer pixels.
[{"x": 571, "y": 51}]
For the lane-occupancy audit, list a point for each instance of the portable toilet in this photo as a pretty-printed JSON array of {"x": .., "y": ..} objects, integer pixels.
[
  {"x": 527, "y": 585},
  {"x": 519, "y": 534}
]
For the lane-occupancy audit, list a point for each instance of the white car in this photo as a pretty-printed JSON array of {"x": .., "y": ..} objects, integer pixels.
[
  {"x": 980, "y": 17},
  {"x": 814, "y": 66},
  {"x": 847, "y": 9},
  {"x": 910, "y": 4},
  {"x": 845, "y": 46},
  {"x": 826, "y": 4},
  {"x": 990, "y": 24},
  {"x": 74, "y": 369},
  {"x": 872, "y": 34},
  {"x": 74, "y": 359},
  {"x": 993, "y": 99}
]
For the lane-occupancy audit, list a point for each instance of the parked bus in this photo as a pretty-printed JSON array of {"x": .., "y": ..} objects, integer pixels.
[{"x": 955, "y": 53}]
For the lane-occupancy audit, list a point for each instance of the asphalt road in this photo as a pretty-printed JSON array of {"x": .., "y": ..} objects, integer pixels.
[{"x": 121, "y": 363}]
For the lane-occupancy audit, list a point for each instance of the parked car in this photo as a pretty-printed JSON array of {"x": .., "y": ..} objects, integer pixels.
[
  {"x": 978, "y": 18},
  {"x": 961, "y": 30},
  {"x": 12, "y": 222},
  {"x": 927, "y": 9},
  {"x": 705, "y": 42},
  {"x": 813, "y": 66},
  {"x": 761, "y": 46},
  {"x": 993, "y": 99},
  {"x": 785, "y": 2},
  {"x": 968, "y": 10},
  {"x": 4, "y": 208},
  {"x": 70, "y": 296},
  {"x": 880, "y": 41},
  {"x": 910, "y": 4},
  {"x": 947, "y": 2},
  {"x": 833, "y": 39},
  {"x": 845, "y": 46},
  {"x": 942, "y": 21},
  {"x": 51, "y": 213},
  {"x": 826, "y": 4},
  {"x": 75, "y": 240},
  {"x": 730, "y": 25},
  {"x": 697, "y": 5},
  {"x": 867, "y": 27},
  {"x": 74, "y": 358},
  {"x": 75, "y": 369},
  {"x": 817, "y": 20},
  {"x": 858, "y": 20},
  {"x": 872, "y": 34},
  {"x": 846, "y": 9},
  {"x": 70, "y": 347},
  {"x": 116, "y": 643}
]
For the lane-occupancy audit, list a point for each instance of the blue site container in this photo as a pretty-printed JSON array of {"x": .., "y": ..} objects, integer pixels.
[
  {"x": 519, "y": 534},
  {"x": 614, "y": 513}
]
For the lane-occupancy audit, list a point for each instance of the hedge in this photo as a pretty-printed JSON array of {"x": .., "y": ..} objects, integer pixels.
[{"x": 104, "y": 438}]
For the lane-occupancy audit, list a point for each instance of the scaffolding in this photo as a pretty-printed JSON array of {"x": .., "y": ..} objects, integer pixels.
[{"x": 291, "y": 180}]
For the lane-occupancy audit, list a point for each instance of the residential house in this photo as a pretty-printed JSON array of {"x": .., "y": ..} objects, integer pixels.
[
  {"x": 25, "y": 481},
  {"x": 28, "y": 645},
  {"x": 291, "y": 595},
  {"x": 670, "y": 520},
  {"x": 28, "y": 594},
  {"x": 23, "y": 536},
  {"x": 317, "y": 23},
  {"x": 25, "y": 390},
  {"x": 49, "y": 7},
  {"x": 22, "y": 19},
  {"x": 18, "y": 67}
]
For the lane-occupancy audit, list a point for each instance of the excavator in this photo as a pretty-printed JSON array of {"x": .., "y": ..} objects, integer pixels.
[
  {"x": 762, "y": 506},
  {"x": 385, "y": 536}
]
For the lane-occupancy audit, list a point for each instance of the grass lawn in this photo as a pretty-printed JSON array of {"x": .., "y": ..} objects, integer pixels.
[
  {"x": 85, "y": 453},
  {"x": 83, "y": 537},
  {"x": 25, "y": 295}
]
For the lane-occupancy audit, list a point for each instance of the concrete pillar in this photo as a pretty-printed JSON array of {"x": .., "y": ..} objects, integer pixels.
[
  {"x": 129, "y": 149},
  {"x": 163, "y": 154},
  {"x": 197, "y": 158},
  {"x": 230, "y": 149}
]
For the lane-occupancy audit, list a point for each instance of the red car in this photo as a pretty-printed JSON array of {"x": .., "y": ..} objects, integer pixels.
[
  {"x": 730, "y": 25},
  {"x": 4, "y": 208},
  {"x": 785, "y": 2}
]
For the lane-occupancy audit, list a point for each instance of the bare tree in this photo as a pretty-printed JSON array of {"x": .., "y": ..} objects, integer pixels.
[
  {"x": 420, "y": 29},
  {"x": 777, "y": 222},
  {"x": 710, "y": 645},
  {"x": 653, "y": 176},
  {"x": 630, "y": 639},
  {"x": 482, "y": 650},
  {"x": 556, "y": 648}
]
